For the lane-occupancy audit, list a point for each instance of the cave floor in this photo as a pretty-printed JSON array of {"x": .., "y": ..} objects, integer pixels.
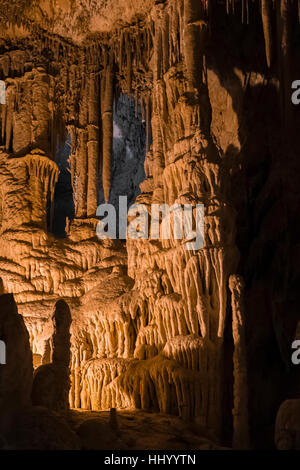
[{"x": 139, "y": 430}]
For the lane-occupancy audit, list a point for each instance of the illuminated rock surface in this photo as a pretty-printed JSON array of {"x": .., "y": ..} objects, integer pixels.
[{"x": 154, "y": 326}]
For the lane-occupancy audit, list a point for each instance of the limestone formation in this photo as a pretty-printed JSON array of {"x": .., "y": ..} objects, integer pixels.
[
  {"x": 172, "y": 102},
  {"x": 51, "y": 382},
  {"x": 16, "y": 373},
  {"x": 240, "y": 412},
  {"x": 287, "y": 429},
  {"x": 61, "y": 336},
  {"x": 266, "y": 6}
]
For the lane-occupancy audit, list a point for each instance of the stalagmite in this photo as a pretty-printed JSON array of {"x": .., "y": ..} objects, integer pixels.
[
  {"x": 240, "y": 411},
  {"x": 113, "y": 420},
  {"x": 61, "y": 337},
  {"x": 51, "y": 382}
]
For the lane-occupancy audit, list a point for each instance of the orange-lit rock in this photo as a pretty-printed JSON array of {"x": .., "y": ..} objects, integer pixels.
[{"x": 153, "y": 326}]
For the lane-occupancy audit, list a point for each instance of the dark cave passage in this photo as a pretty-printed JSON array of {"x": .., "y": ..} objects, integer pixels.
[
  {"x": 129, "y": 152},
  {"x": 63, "y": 205}
]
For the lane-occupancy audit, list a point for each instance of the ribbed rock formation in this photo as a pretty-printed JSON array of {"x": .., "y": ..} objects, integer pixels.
[
  {"x": 152, "y": 326},
  {"x": 16, "y": 373}
]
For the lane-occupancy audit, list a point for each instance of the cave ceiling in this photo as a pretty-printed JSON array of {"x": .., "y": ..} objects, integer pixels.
[{"x": 75, "y": 20}]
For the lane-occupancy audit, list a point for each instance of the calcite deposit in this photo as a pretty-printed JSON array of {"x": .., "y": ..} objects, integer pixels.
[{"x": 166, "y": 102}]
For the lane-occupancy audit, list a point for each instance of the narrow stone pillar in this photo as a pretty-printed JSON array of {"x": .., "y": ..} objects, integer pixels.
[
  {"x": 240, "y": 386},
  {"x": 93, "y": 145},
  {"x": 107, "y": 126},
  {"x": 51, "y": 384},
  {"x": 61, "y": 337},
  {"x": 79, "y": 161}
]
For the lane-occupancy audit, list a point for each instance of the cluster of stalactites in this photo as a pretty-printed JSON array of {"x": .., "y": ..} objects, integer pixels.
[
  {"x": 132, "y": 45},
  {"x": 121, "y": 67},
  {"x": 128, "y": 60},
  {"x": 268, "y": 8},
  {"x": 177, "y": 35},
  {"x": 133, "y": 48}
]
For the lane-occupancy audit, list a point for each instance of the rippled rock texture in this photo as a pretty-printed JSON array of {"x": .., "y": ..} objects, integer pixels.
[{"x": 171, "y": 102}]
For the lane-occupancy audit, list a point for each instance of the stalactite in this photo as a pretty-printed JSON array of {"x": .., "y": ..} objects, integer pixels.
[
  {"x": 149, "y": 43},
  {"x": 148, "y": 123},
  {"x": 107, "y": 100},
  {"x": 93, "y": 145},
  {"x": 174, "y": 34},
  {"x": 157, "y": 53},
  {"x": 195, "y": 29},
  {"x": 247, "y": 9},
  {"x": 122, "y": 50},
  {"x": 43, "y": 175},
  {"x": 266, "y": 9},
  {"x": 165, "y": 41},
  {"x": 128, "y": 64},
  {"x": 81, "y": 172},
  {"x": 10, "y": 106},
  {"x": 137, "y": 54},
  {"x": 3, "y": 118},
  {"x": 284, "y": 43},
  {"x": 142, "y": 108}
]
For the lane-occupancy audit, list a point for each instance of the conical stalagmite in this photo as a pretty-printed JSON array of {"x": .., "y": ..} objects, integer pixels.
[{"x": 240, "y": 411}]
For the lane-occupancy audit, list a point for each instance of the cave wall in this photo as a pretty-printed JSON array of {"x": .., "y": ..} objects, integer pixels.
[{"x": 156, "y": 326}]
